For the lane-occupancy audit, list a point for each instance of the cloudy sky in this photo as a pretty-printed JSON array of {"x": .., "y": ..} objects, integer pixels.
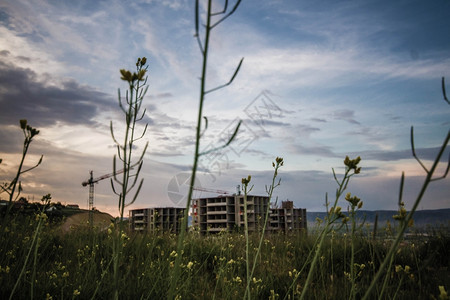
[{"x": 319, "y": 81}]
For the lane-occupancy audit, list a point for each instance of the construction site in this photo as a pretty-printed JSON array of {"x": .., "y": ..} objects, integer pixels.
[{"x": 223, "y": 213}]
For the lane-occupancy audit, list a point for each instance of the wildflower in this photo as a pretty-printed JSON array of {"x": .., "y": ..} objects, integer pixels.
[
  {"x": 353, "y": 164},
  {"x": 293, "y": 273},
  {"x": 347, "y": 275},
  {"x": 42, "y": 216},
  {"x": 273, "y": 295},
  {"x": 246, "y": 181},
  {"x": 279, "y": 161},
  {"x": 442, "y": 293},
  {"x": 237, "y": 279},
  {"x": 76, "y": 292},
  {"x": 23, "y": 124},
  {"x": 189, "y": 265},
  {"x": 407, "y": 269},
  {"x": 173, "y": 254}
]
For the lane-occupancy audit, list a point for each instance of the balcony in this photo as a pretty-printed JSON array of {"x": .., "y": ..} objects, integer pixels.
[
  {"x": 217, "y": 204},
  {"x": 217, "y": 221},
  {"x": 216, "y": 212}
]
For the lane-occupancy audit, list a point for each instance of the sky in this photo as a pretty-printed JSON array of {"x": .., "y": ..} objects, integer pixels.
[{"x": 319, "y": 80}]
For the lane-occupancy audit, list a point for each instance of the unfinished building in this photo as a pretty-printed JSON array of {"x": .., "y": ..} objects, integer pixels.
[
  {"x": 162, "y": 219},
  {"x": 287, "y": 218},
  {"x": 226, "y": 213}
]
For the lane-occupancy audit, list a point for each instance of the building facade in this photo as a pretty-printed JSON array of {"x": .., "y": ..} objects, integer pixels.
[
  {"x": 287, "y": 218},
  {"x": 226, "y": 213},
  {"x": 162, "y": 219}
]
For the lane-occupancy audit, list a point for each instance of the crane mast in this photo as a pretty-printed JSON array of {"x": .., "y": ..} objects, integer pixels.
[{"x": 91, "y": 182}]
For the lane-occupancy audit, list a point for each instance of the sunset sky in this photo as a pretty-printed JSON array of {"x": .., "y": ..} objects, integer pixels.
[{"x": 319, "y": 81}]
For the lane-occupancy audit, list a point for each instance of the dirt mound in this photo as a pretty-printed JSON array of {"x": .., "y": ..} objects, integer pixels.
[{"x": 101, "y": 220}]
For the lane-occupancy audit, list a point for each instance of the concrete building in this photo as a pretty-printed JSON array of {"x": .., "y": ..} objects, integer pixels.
[
  {"x": 287, "y": 218},
  {"x": 163, "y": 219},
  {"x": 226, "y": 213}
]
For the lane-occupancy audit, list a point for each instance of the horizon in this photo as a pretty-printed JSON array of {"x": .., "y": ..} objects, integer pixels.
[{"x": 319, "y": 81}]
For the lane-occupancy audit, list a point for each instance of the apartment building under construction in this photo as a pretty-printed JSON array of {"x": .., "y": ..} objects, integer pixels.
[
  {"x": 226, "y": 213},
  {"x": 163, "y": 219}
]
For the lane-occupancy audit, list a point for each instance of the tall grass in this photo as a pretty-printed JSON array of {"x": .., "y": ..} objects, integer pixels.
[
  {"x": 77, "y": 265},
  {"x": 131, "y": 106},
  {"x": 212, "y": 20}
]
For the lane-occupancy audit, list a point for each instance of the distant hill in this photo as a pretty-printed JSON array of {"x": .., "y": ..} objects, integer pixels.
[
  {"x": 422, "y": 218},
  {"x": 80, "y": 219}
]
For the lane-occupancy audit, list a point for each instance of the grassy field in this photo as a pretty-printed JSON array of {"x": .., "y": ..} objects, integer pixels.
[{"x": 78, "y": 264}]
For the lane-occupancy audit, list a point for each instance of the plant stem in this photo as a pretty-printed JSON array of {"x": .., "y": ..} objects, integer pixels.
[
  {"x": 394, "y": 246},
  {"x": 176, "y": 270}
]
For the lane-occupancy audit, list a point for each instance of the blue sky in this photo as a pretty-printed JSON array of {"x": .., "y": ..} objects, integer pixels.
[{"x": 319, "y": 81}]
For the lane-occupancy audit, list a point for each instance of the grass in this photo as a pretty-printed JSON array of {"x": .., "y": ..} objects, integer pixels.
[{"x": 78, "y": 265}]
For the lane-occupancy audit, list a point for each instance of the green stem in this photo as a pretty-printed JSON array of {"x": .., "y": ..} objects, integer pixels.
[
  {"x": 266, "y": 219},
  {"x": 176, "y": 269},
  {"x": 352, "y": 258},
  {"x": 35, "y": 237},
  {"x": 26, "y": 144},
  {"x": 342, "y": 186},
  {"x": 247, "y": 245},
  {"x": 394, "y": 246}
]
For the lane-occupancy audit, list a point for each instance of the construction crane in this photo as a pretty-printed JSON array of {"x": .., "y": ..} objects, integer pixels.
[
  {"x": 91, "y": 182},
  {"x": 202, "y": 189}
]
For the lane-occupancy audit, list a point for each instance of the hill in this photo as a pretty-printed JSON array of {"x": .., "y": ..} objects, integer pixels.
[
  {"x": 81, "y": 219},
  {"x": 422, "y": 218}
]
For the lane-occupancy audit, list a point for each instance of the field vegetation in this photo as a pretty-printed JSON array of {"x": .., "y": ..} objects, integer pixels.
[
  {"x": 338, "y": 258},
  {"x": 78, "y": 264}
]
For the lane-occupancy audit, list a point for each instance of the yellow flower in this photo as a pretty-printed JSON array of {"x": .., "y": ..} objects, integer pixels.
[
  {"x": 442, "y": 293},
  {"x": 189, "y": 265},
  {"x": 76, "y": 292},
  {"x": 407, "y": 269}
]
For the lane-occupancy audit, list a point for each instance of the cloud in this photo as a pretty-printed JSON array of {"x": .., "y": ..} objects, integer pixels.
[
  {"x": 316, "y": 150},
  {"x": 345, "y": 115},
  {"x": 423, "y": 153},
  {"x": 319, "y": 120},
  {"x": 23, "y": 95},
  {"x": 161, "y": 95}
]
